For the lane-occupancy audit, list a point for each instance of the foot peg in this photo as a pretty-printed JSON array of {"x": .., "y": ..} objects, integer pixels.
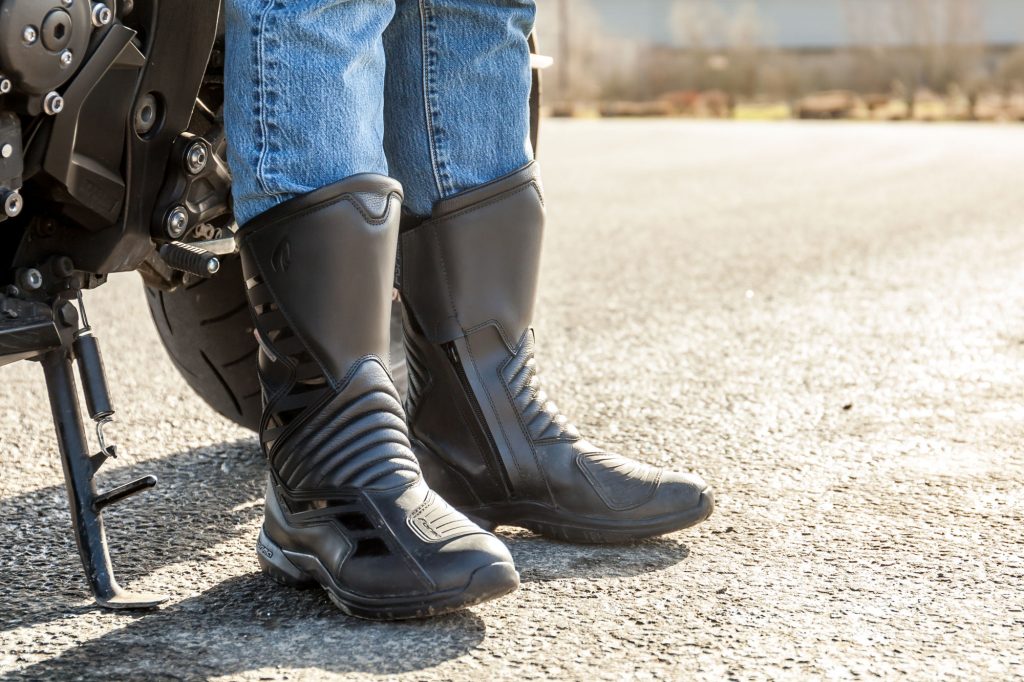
[
  {"x": 190, "y": 259},
  {"x": 80, "y": 468}
]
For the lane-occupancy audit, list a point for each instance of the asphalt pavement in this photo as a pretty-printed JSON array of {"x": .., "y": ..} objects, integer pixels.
[{"x": 825, "y": 320}]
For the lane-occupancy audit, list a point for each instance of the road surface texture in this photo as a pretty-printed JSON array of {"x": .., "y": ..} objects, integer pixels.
[{"x": 825, "y": 320}]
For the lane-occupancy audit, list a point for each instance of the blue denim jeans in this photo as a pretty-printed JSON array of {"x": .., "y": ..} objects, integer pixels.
[{"x": 433, "y": 92}]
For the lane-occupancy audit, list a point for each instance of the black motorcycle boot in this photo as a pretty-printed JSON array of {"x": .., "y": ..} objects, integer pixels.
[
  {"x": 486, "y": 434},
  {"x": 347, "y": 506}
]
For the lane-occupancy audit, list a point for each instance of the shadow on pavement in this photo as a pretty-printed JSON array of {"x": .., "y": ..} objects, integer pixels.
[
  {"x": 206, "y": 496},
  {"x": 240, "y": 625},
  {"x": 540, "y": 560}
]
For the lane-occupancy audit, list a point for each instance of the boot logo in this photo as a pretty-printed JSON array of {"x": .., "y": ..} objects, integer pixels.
[
  {"x": 264, "y": 550},
  {"x": 282, "y": 258},
  {"x": 435, "y": 520}
]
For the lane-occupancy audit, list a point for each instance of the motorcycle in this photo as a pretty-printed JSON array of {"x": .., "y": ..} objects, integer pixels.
[{"x": 113, "y": 159}]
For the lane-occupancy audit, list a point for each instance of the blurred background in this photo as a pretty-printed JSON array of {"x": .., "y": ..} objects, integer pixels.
[{"x": 777, "y": 59}]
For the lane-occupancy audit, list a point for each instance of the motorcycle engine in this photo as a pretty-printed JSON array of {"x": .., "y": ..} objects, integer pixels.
[
  {"x": 42, "y": 44},
  {"x": 111, "y": 135}
]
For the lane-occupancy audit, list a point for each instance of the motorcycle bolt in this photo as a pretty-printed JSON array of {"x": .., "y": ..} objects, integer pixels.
[
  {"x": 5, "y": 85},
  {"x": 13, "y": 203},
  {"x": 53, "y": 104},
  {"x": 29, "y": 35},
  {"x": 213, "y": 265},
  {"x": 7, "y": 151},
  {"x": 67, "y": 314},
  {"x": 66, "y": 58},
  {"x": 147, "y": 114},
  {"x": 62, "y": 267},
  {"x": 67, "y": 3},
  {"x": 30, "y": 279},
  {"x": 101, "y": 15},
  {"x": 197, "y": 157},
  {"x": 177, "y": 222}
]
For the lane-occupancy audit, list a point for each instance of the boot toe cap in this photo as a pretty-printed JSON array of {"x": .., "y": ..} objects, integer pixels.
[
  {"x": 479, "y": 562},
  {"x": 685, "y": 495},
  {"x": 461, "y": 572}
]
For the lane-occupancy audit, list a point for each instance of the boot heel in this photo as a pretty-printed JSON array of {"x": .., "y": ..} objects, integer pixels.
[{"x": 275, "y": 564}]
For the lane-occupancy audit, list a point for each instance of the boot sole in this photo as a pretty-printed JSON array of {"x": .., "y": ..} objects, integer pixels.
[
  {"x": 301, "y": 570},
  {"x": 568, "y": 527}
]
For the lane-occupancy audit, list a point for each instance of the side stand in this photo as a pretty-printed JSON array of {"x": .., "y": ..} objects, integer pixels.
[{"x": 79, "y": 470}]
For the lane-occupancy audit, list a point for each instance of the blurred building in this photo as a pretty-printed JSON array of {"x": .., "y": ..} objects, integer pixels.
[
  {"x": 748, "y": 49},
  {"x": 805, "y": 24}
]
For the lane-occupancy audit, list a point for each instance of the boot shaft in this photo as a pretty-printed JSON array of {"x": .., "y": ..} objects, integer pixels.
[
  {"x": 476, "y": 261},
  {"x": 469, "y": 283},
  {"x": 320, "y": 268}
]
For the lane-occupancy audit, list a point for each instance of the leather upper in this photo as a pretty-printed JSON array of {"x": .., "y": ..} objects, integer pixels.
[{"x": 384, "y": 544}]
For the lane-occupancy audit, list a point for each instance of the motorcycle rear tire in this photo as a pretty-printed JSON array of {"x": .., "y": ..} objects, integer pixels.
[{"x": 207, "y": 331}]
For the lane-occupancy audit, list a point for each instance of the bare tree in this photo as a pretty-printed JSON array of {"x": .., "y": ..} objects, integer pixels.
[
  {"x": 585, "y": 56},
  {"x": 915, "y": 44},
  {"x": 721, "y": 51},
  {"x": 747, "y": 43},
  {"x": 699, "y": 27}
]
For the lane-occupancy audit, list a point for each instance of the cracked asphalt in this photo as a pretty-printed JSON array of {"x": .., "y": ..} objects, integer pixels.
[{"x": 825, "y": 320}]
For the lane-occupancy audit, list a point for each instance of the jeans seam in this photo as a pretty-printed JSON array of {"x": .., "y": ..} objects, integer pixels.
[
  {"x": 438, "y": 164},
  {"x": 261, "y": 116}
]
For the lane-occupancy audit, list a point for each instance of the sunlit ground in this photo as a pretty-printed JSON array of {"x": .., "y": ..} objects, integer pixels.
[{"x": 824, "y": 320}]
